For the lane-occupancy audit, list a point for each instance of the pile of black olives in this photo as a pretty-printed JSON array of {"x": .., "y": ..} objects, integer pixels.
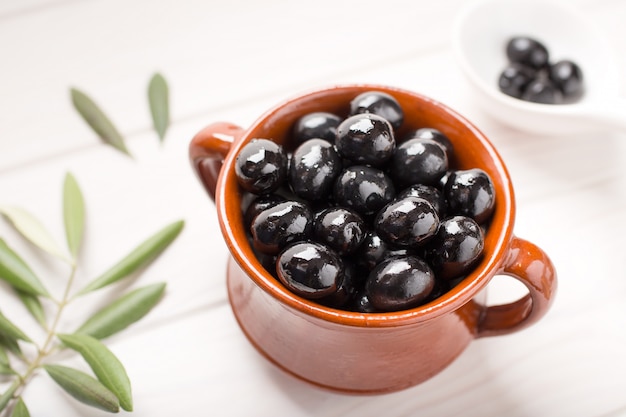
[
  {"x": 358, "y": 219},
  {"x": 531, "y": 76}
]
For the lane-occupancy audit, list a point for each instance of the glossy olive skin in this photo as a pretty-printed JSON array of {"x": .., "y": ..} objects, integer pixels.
[
  {"x": 340, "y": 228},
  {"x": 363, "y": 189},
  {"x": 544, "y": 91},
  {"x": 259, "y": 204},
  {"x": 346, "y": 290},
  {"x": 515, "y": 78},
  {"x": 316, "y": 125},
  {"x": 409, "y": 221},
  {"x": 371, "y": 252},
  {"x": 470, "y": 193},
  {"x": 379, "y": 103},
  {"x": 567, "y": 77},
  {"x": 418, "y": 161},
  {"x": 429, "y": 193},
  {"x": 314, "y": 167},
  {"x": 456, "y": 247},
  {"x": 436, "y": 135},
  {"x": 527, "y": 51},
  {"x": 261, "y": 166},
  {"x": 361, "y": 303},
  {"x": 279, "y": 225},
  {"x": 399, "y": 283},
  {"x": 310, "y": 269},
  {"x": 366, "y": 139}
]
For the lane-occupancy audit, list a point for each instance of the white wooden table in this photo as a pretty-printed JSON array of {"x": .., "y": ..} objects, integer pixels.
[{"x": 231, "y": 61}]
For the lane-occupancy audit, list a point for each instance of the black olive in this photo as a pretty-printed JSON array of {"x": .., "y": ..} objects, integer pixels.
[
  {"x": 527, "y": 51},
  {"x": 429, "y": 193},
  {"x": 340, "y": 228},
  {"x": 317, "y": 125},
  {"x": 456, "y": 247},
  {"x": 543, "y": 91},
  {"x": 310, "y": 269},
  {"x": 515, "y": 78},
  {"x": 314, "y": 167},
  {"x": 363, "y": 189},
  {"x": 470, "y": 193},
  {"x": 379, "y": 103},
  {"x": 279, "y": 225},
  {"x": 418, "y": 161},
  {"x": 399, "y": 283},
  {"x": 568, "y": 77},
  {"x": 409, "y": 221},
  {"x": 366, "y": 139},
  {"x": 261, "y": 166}
]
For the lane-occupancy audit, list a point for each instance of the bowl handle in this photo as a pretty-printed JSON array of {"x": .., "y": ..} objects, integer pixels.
[
  {"x": 209, "y": 148},
  {"x": 530, "y": 265}
]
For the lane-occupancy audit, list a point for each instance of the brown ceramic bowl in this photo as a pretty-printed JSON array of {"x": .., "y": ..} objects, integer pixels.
[{"x": 382, "y": 352}]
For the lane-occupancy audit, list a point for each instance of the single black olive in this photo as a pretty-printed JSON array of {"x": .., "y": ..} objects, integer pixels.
[
  {"x": 399, "y": 283},
  {"x": 316, "y": 125},
  {"x": 379, "y": 103},
  {"x": 366, "y": 139},
  {"x": 456, "y": 247},
  {"x": 279, "y": 225},
  {"x": 314, "y": 167},
  {"x": 261, "y": 166},
  {"x": 310, "y": 269}
]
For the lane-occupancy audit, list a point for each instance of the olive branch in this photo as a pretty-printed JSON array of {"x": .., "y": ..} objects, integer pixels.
[
  {"x": 109, "y": 389},
  {"x": 21, "y": 357}
]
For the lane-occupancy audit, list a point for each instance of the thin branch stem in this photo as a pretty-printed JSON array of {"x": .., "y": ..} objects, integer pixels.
[{"x": 47, "y": 347}]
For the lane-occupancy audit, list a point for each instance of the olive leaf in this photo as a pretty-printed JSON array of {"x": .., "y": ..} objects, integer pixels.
[
  {"x": 17, "y": 273},
  {"x": 10, "y": 330},
  {"x": 20, "y": 409},
  {"x": 83, "y": 387},
  {"x": 140, "y": 257},
  {"x": 107, "y": 367},
  {"x": 73, "y": 214},
  {"x": 4, "y": 358},
  {"x": 123, "y": 312},
  {"x": 33, "y": 231},
  {"x": 7, "y": 395},
  {"x": 6, "y": 369},
  {"x": 10, "y": 345},
  {"x": 98, "y": 121},
  {"x": 5, "y": 364},
  {"x": 34, "y": 307},
  {"x": 158, "y": 97}
]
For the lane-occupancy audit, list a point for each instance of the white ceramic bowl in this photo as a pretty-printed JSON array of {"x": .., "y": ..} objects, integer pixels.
[{"x": 480, "y": 34}]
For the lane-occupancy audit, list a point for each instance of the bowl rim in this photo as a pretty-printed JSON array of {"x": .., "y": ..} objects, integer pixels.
[{"x": 228, "y": 206}]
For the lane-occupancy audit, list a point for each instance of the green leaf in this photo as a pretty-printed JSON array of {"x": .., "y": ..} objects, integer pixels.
[
  {"x": 33, "y": 230},
  {"x": 84, "y": 387},
  {"x": 158, "y": 96},
  {"x": 140, "y": 257},
  {"x": 20, "y": 409},
  {"x": 98, "y": 121},
  {"x": 15, "y": 271},
  {"x": 104, "y": 364},
  {"x": 73, "y": 214},
  {"x": 10, "y": 345},
  {"x": 6, "y": 369},
  {"x": 123, "y": 312},
  {"x": 4, "y": 358},
  {"x": 33, "y": 305},
  {"x": 10, "y": 330},
  {"x": 8, "y": 394}
]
